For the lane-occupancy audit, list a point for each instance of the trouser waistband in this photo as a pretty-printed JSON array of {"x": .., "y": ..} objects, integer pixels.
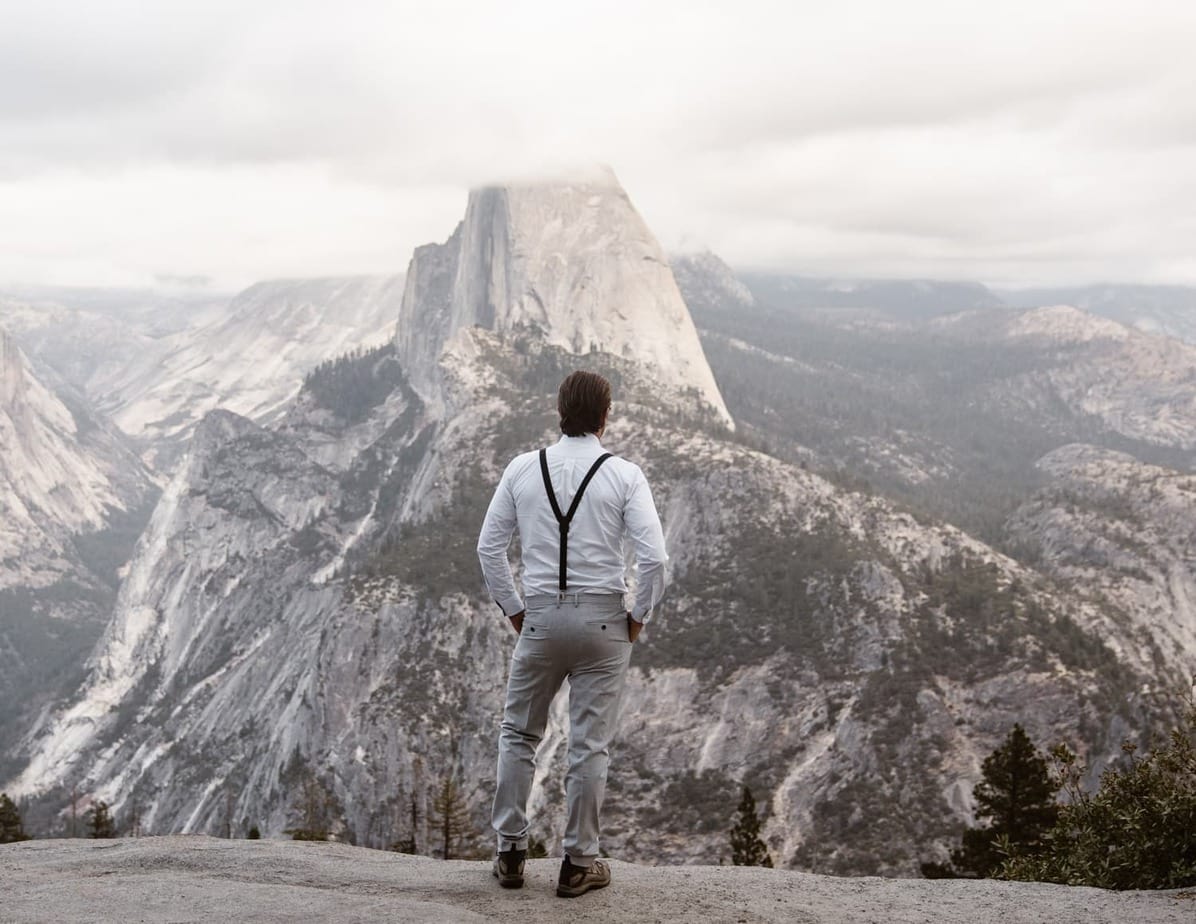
[{"x": 569, "y": 597}]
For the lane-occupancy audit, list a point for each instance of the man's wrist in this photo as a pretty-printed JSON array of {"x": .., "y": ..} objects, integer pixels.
[{"x": 510, "y": 606}]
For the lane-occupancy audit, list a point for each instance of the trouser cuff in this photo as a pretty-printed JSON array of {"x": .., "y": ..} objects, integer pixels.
[{"x": 511, "y": 843}]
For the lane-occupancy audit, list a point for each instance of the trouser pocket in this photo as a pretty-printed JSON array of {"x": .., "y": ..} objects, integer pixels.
[{"x": 608, "y": 627}]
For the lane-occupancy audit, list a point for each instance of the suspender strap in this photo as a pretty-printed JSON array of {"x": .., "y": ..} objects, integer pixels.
[{"x": 563, "y": 520}]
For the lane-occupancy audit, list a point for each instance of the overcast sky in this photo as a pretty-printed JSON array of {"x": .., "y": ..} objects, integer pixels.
[{"x": 1014, "y": 143}]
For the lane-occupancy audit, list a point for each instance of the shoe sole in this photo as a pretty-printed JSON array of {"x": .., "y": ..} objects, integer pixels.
[
  {"x": 566, "y": 892},
  {"x": 508, "y": 882}
]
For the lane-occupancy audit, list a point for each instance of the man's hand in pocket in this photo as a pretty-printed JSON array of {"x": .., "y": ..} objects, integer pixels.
[{"x": 633, "y": 628}]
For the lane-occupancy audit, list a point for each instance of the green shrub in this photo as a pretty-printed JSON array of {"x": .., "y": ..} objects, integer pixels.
[{"x": 1138, "y": 831}]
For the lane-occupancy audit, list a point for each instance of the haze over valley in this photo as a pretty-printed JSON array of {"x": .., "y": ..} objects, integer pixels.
[{"x": 901, "y": 516}]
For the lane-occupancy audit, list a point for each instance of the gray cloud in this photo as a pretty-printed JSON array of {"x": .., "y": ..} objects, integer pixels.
[{"x": 1031, "y": 142}]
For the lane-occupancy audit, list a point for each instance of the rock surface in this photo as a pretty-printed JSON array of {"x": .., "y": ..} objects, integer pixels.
[
  {"x": 571, "y": 260},
  {"x": 182, "y": 878},
  {"x": 250, "y": 360},
  {"x": 62, "y": 472}
]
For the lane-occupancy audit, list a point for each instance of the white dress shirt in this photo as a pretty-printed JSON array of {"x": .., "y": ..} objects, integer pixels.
[{"x": 617, "y": 503}]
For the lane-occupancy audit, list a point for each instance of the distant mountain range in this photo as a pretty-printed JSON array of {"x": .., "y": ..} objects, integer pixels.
[
  {"x": 155, "y": 378},
  {"x": 1167, "y": 310},
  {"x": 73, "y": 498},
  {"x": 900, "y": 516}
]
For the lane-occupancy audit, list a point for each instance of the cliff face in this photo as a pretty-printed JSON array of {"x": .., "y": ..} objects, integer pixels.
[
  {"x": 61, "y": 472},
  {"x": 574, "y": 263},
  {"x": 71, "y": 492},
  {"x": 250, "y": 359}
]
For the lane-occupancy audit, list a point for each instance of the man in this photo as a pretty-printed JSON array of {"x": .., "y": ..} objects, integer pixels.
[{"x": 573, "y": 505}]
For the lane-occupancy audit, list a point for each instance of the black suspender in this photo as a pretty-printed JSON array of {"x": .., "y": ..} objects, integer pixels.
[{"x": 564, "y": 521}]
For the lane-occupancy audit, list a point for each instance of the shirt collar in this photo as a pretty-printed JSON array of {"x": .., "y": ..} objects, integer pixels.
[{"x": 588, "y": 442}]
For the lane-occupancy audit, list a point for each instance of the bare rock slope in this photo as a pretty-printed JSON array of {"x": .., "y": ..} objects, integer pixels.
[{"x": 183, "y": 878}]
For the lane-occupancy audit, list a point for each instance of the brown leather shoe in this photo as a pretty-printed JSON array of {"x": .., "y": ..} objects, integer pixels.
[{"x": 577, "y": 880}]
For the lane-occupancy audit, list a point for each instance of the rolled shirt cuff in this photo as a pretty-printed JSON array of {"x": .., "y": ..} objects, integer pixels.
[
  {"x": 510, "y": 606},
  {"x": 642, "y": 616}
]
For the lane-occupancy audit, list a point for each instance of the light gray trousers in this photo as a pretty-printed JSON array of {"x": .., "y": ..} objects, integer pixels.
[{"x": 584, "y": 639}]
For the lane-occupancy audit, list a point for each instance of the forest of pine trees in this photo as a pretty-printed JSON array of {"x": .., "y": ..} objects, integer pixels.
[{"x": 353, "y": 384}]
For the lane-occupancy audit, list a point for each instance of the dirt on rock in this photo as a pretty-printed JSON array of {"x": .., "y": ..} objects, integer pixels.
[{"x": 180, "y": 879}]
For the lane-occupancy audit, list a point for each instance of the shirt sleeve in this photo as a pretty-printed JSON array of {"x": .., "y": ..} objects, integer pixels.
[
  {"x": 647, "y": 538},
  {"x": 497, "y": 530}
]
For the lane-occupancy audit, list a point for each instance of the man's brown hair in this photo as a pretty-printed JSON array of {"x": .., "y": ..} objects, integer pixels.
[{"x": 583, "y": 401}]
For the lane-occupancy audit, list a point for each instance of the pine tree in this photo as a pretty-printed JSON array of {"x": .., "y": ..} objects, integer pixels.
[
  {"x": 255, "y": 834},
  {"x": 407, "y": 844},
  {"x": 452, "y": 815},
  {"x": 1018, "y": 795},
  {"x": 12, "y": 829},
  {"x": 747, "y": 849},
  {"x": 100, "y": 821}
]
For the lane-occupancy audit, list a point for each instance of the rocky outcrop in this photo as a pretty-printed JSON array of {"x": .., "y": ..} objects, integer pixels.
[
  {"x": 571, "y": 261},
  {"x": 1140, "y": 385},
  {"x": 1119, "y": 532},
  {"x": 141, "y": 879}
]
